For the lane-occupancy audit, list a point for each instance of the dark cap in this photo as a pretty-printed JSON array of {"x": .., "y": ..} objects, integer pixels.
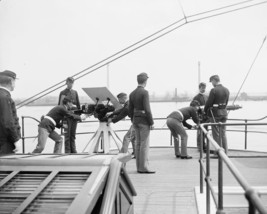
[
  {"x": 194, "y": 103},
  {"x": 120, "y": 95},
  {"x": 66, "y": 100},
  {"x": 202, "y": 84},
  {"x": 215, "y": 77},
  {"x": 143, "y": 75},
  {"x": 8, "y": 73},
  {"x": 70, "y": 79}
]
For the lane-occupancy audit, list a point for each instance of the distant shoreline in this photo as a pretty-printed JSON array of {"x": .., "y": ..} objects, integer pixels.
[{"x": 152, "y": 101}]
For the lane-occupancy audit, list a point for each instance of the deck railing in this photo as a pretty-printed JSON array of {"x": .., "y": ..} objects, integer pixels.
[
  {"x": 246, "y": 131},
  {"x": 251, "y": 194}
]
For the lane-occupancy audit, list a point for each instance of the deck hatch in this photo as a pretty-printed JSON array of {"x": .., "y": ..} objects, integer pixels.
[
  {"x": 59, "y": 193},
  {"x": 15, "y": 191}
]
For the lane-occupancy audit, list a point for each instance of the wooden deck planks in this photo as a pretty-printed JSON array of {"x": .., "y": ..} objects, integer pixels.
[{"x": 171, "y": 189}]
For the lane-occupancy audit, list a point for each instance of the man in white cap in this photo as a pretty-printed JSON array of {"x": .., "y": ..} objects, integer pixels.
[{"x": 9, "y": 121}]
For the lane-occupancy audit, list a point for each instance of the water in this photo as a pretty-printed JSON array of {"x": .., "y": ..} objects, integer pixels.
[{"x": 250, "y": 110}]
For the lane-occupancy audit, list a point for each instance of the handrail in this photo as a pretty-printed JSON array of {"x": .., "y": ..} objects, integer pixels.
[
  {"x": 251, "y": 194},
  {"x": 111, "y": 187}
]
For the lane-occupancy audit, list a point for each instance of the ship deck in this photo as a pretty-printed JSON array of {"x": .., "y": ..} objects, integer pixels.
[{"x": 172, "y": 188}]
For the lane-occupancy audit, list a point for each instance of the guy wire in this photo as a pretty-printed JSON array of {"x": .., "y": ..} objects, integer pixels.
[{"x": 250, "y": 69}]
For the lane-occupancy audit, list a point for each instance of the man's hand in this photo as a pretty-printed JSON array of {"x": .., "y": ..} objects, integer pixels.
[
  {"x": 83, "y": 116},
  {"x": 109, "y": 121},
  {"x": 17, "y": 147},
  {"x": 195, "y": 127},
  {"x": 108, "y": 114}
]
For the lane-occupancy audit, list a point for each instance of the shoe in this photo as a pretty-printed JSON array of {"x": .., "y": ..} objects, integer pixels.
[
  {"x": 186, "y": 157},
  {"x": 177, "y": 156},
  {"x": 147, "y": 172}
]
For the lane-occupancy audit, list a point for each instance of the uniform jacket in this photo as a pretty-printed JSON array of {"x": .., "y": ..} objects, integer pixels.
[
  {"x": 72, "y": 95},
  {"x": 120, "y": 113},
  {"x": 188, "y": 113},
  {"x": 9, "y": 121},
  {"x": 218, "y": 95},
  {"x": 139, "y": 107},
  {"x": 201, "y": 98},
  {"x": 57, "y": 114}
]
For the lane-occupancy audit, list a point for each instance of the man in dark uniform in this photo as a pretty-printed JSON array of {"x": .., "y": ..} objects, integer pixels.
[
  {"x": 176, "y": 122},
  {"x": 141, "y": 116},
  {"x": 201, "y": 97},
  {"x": 9, "y": 121},
  {"x": 53, "y": 120},
  {"x": 120, "y": 114},
  {"x": 70, "y": 132},
  {"x": 215, "y": 108}
]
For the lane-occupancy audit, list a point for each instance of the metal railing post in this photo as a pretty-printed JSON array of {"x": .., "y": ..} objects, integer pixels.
[
  {"x": 200, "y": 159},
  {"x": 22, "y": 137},
  {"x": 246, "y": 134},
  {"x": 220, "y": 185},
  {"x": 208, "y": 178},
  {"x": 171, "y": 139}
]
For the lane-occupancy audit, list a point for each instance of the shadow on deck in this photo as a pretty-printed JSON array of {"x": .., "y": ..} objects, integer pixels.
[{"x": 171, "y": 189}]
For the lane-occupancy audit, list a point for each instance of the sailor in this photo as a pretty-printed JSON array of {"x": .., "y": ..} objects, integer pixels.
[
  {"x": 141, "y": 116},
  {"x": 120, "y": 114},
  {"x": 53, "y": 120},
  {"x": 9, "y": 121},
  {"x": 70, "y": 133},
  {"x": 176, "y": 122},
  {"x": 215, "y": 108},
  {"x": 201, "y": 97}
]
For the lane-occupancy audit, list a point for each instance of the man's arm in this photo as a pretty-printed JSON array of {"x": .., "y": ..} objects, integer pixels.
[
  {"x": 8, "y": 121},
  {"x": 122, "y": 114},
  {"x": 210, "y": 101},
  {"x": 147, "y": 109}
]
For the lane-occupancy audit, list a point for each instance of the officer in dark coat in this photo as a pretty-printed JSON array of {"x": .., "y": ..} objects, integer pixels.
[
  {"x": 120, "y": 114},
  {"x": 9, "y": 121},
  {"x": 202, "y": 98},
  {"x": 215, "y": 108},
  {"x": 70, "y": 133},
  {"x": 141, "y": 116}
]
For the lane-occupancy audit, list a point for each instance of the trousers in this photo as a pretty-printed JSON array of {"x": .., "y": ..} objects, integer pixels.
[
  {"x": 43, "y": 134},
  {"x": 70, "y": 136},
  {"x": 142, "y": 132},
  {"x": 176, "y": 127},
  {"x": 129, "y": 136}
]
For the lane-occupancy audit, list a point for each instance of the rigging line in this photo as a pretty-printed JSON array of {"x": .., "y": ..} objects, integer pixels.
[
  {"x": 181, "y": 6},
  {"x": 250, "y": 69},
  {"x": 100, "y": 66},
  {"x": 208, "y": 11},
  {"x": 222, "y": 13},
  {"x": 134, "y": 44},
  {"x": 128, "y": 51}
]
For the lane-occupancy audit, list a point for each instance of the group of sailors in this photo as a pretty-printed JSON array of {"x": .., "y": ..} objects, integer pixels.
[{"x": 202, "y": 109}]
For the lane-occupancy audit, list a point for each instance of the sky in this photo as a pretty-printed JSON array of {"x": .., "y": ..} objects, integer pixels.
[{"x": 45, "y": 41}]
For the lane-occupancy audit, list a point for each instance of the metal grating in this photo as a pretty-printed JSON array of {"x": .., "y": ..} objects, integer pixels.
[
  {"x": 59, "y": 193},
  {"x": 3, "y": 175},
  {"x": 15, "y": 191}
]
